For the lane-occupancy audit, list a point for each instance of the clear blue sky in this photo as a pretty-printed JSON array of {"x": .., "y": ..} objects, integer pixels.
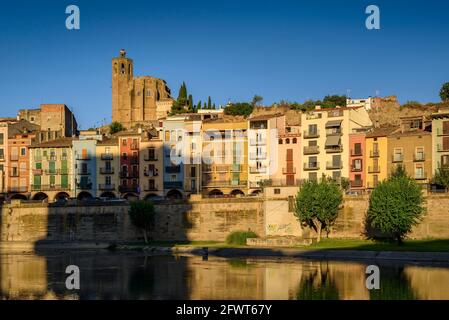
[{"x": 293, "y": 50}]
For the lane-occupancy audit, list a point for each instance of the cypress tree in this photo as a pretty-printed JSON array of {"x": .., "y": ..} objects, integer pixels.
[{"x": 209, "y": 103}]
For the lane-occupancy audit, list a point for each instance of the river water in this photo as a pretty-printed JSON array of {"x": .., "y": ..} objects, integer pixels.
[{"x": 105, "y": 275}]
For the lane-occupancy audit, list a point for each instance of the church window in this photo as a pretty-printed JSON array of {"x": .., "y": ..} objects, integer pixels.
[{"x": 123, "y": 68}]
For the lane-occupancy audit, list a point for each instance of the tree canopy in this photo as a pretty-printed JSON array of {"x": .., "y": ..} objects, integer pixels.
[
  {"x": 115, "y": 127},
  {"x": 444, "y": 92},
  {"x": 396, "y": 205},
  {"x": 239, "y": 109},
  {"x": 142, "y": 214},
  {"x": 317, "y": 204}
]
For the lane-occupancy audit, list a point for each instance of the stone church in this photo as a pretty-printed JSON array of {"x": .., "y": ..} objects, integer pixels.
[{"x": 137, "y": 100}]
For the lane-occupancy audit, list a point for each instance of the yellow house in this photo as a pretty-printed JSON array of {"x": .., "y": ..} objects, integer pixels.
[
  {"x": 376, "y": 164},
  {"x": 108, "y": 167}
]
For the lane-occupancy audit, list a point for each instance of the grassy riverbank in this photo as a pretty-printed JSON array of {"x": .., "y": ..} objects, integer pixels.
[{"x": 428, "y": 245}]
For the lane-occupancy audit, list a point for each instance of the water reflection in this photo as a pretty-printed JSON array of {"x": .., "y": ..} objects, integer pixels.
[{"x": 132, "y": 276}]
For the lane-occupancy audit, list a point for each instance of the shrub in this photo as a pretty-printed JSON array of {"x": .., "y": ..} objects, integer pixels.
[
  {"x": 116, "y": 127},
  {"x": 239, "y": 237}
]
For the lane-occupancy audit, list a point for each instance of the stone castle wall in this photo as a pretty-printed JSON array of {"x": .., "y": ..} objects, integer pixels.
[{"x": 206, "y": 219}]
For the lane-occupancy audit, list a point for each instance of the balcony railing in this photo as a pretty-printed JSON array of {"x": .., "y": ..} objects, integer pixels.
[
  {"x": 257, "y": 156},
  {"x": 126, "y": 189},
  {"x": 331, "y": 165},
  {"x": 151, "y": 173},
  {"x": 397, "y": 158},
  {"x": 356, "y": 153},
  {"x": 14, "y": 174},
  {"x": 49, "y": 187},
  {"x": 173, "y": 184},
  {"x": 129, "y": 175},
  {"x": 374, "y": 169},
  {"x": 81, "y": 172},
  {"x": 18, "y": 189},
  {"x": 311, "y": 134},
  {"x": 420, "y": 176},
  {"x": 442, "y": 132},
  {"x": 311, "y": 165},
  {"x": 374, "y": 153},
  {"x": 311, "y": 150},
  {"x": 356, "y": 183},
  {"x": 107, "y": 170},
  {"x": 356, "y": 169},
  {"x": 51, "y": 172},
  {"x": 83, "y": 158},
  {"x": 257, "y": 142},
  {"x": 134, "y": 160},
  {"x": 334, "y": 149},
  {"x": 149, "y": 187},
  {"x": 291, "y": 170},
  {"x": 107, "y": 156},
  {"x": 334, "y": 132},
  {"x": 419, "y": 157},
  {"x": 222, "y": 168},
  {"x": 106, "y": 187},
  {"x": 2, "y": 157},
  {"x": 134, "y": 146},
  {"x": 150, "y": 157},
  {"x": 256, "y": 170},
  {"x": 173, "y": 169},
  {"x": 84, "y": 186}
]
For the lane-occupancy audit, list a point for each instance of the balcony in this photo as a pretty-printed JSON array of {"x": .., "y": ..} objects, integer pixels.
[
  {"x": 311, "y": 166},
  {"x": 257, "y": 156},
  {"x": 257, "y": 142},
  {"x": 134, "y": 160},
  {"x": 356, "y": 168},
  {"x": 126, "y": 189},
  {"x": 334, "y": 149},
  {"x": 37, "y": 172},
  {"x": 311, "y": 150},
  {"x": 334, "y": 132},
  {"x": 14, "y": 174},
  {"x": 442, "y": 132},
  {"x": 129, "y": 175},
  {"x": 150, "y": 157},
  {"x": 289, "y": 170},
  {"x": 173, "y": 184},
  {"x": 107, "y": 170},
  {"x": 333, "y": 165},
  {"x": 83, "y": 157},
  {"x": 150, "y": 173},
  {"x": 356, "y": 152},
  {"x": 441, "y": 148},
  {"x": 374, "y": 169},
  {"x": 374, "y": 153},
  {"x": 356, "y": 183},
  {"x": 37, "y": 158},
  {"x": 107, "y": 156},
  {"x": 173, "y": 169},
  {"x": 49, "y": 187},
  {"x": 257, "y": 170},
  {"x": 106, "y": 187},
  {"x": 81, "y": 172},
  {"x": 51, "y": 172},
  {"x": 18, "y": 189},
  {"x": 51, "y": 158},
  {"x": 397, "y": 158},
  {"x": 134, "y": 146},
  {"x": 222, "y": 168},
  {"x": 311, "y": 134},
  {"x": 417, "y": 157},
  {"x": 149, "y": 187},
  {"x": 420, "y": 176},
  {"x": 84, "y": 186}
]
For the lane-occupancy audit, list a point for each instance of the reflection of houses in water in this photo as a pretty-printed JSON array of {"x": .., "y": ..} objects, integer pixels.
[{"x": 430, "y": 284}]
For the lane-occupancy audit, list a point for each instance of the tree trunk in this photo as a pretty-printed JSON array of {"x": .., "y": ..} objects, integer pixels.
[
  {"x": 319, "y": 228},
  {"x": 145, "y": 235}
]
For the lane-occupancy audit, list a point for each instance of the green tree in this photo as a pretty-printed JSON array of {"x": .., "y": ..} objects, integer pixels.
[
  {"x": 256, "y": 100},
  {"x": 198, "y": 106},
  {"x": 115, "y": 127},
  {"x": 444, "y": 92},
  {"x": 399, "y": 172},
  {"x": 395, "y": 206},
  {"x": 441, "y": 177},
  {"x": 239, "y": 109},
  {"x": 209, "y": 103},
  {"x": 317, "y": 204},
  {"x": 191, "y": 106},
  {"x": 181, "y": 104},
  {"x": 331, "y": 101},
  {"x": 142, "y": 216}
]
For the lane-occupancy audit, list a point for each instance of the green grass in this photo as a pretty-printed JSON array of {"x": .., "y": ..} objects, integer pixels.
[
  {"x": 427, "y": 245},
  {"x": 430, "y": 245}
]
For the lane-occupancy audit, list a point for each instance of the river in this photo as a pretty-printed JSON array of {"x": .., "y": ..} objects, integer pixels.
[{"x": 106, "y": 275}]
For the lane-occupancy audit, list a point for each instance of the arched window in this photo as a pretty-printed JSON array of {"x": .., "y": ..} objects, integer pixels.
[
  {"x": 295, "y": 140},
  {"x": 123, "y": 71},
  {"x": 287, "y": 141},
  {"x": 280, "y": 141}
]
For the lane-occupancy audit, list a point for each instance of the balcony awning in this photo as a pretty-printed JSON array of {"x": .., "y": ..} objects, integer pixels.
[
  {"x": 332, "y": 141},
  {"x": 333, "y": 123}
]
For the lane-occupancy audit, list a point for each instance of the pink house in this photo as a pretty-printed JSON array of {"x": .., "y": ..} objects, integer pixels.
[{"x": 357, "y": 161}]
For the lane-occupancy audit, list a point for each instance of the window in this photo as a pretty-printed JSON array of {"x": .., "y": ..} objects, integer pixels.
[
  {"x": 2, "y": 154},
  {"x": 124, "y": 155},
  {"x": 124, "y": 142},
  {"x": 23, "y": 167},
  {"x": 287, "y": 141},
  {"x": 2, "y": 138},
  {"x": 313, "y": 129},
  {"x": 193, "y": 172},
  {"x": 151, "y": 184},
  {"x": 193, "y": 185},
  {"x": 173, "y": 178},
  {"x": 277, "y": 191},
  {"x": 122, "y": 70},
  {"x": 312, "y": 176},
  {"x": 419, "y": 154},
  {"x": 397, "y": 154},
  {"x": 419, "y": 171},
  {"x": 357, "y": 165},
  {"x": 336, "y": 175},
  {"x": 357, "y": 149},
  {"x": 280, "y": 141},
  {"x": 107, "y": 180},
  {"x": 295, "y": 140},
  {"x": 148, "y": 93}
]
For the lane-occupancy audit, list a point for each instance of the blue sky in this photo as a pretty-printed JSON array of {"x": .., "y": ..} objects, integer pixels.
[{"x": 292, "y": 50}]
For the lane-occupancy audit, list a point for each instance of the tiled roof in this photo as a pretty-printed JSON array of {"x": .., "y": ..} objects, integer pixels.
[
  {"x": 57, "y": 143},
  {"x": 381, "y": 131}
]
